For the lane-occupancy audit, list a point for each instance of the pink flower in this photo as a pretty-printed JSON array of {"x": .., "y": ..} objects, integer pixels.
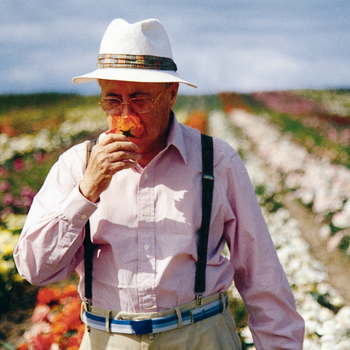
[
  {"x": 27, "y": 192},
  {"x": 8, "y": 199},
  {"x": 18, "y": 164},
  {"x": 3, "y": 172},
  {"x": 6, "y": 211},
  {"x": 4, "y": 186},
  {"x": 37, "y": 328},
  {"x": 40, "y": 313},
  {"x": 334, "y": 241},
  {"x": 39, "y": 156}
]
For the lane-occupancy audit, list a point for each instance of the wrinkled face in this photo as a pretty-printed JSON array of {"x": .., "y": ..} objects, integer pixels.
[{"x": 154, "y": 122}]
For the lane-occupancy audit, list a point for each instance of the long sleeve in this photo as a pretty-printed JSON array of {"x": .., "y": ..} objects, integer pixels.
[
  {"x": 50, "y": 245},
  {"x": 258, "y": 274}
]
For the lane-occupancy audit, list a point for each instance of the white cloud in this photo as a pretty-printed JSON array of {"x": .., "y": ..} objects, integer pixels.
[{"x": 219, "y": 45}]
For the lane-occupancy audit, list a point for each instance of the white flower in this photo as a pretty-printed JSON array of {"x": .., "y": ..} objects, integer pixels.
[
  {"x": 343, "y": 317},
  {"x": 247, "y": 335},
  {"x": 325, "y": 232}
]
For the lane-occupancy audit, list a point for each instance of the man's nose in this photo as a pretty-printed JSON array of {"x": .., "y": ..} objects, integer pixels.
[{"x": 126, "y": 108}]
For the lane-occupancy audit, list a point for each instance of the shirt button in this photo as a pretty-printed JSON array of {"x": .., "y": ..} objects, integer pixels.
[
  {"x": 145, "y": 286},
  {"x": 84, "y": 216},
  {"x": 146, "y": 247},
  {"x": 146, "y": 176},
  {"x": 145, "y": 212}
]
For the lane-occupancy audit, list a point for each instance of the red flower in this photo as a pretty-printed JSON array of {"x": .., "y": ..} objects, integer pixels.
[
  {"x": 48, "y": 295},
  {"x": 42, "y": 341}
]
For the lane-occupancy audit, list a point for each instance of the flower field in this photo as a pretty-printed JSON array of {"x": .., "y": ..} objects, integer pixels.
[{"x": 295, "y": 145}]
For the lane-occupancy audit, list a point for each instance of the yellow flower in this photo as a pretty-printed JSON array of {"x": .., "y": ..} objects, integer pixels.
[
  {"x": 15, "y": 222},
  {"x": 17, "y": 278},
  {"x": 6, "y": 266},
  {"x": 8, "y": 249},
  {"x": 8, "y": 242}
]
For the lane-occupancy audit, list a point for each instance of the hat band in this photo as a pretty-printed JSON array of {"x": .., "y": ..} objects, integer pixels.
[{"x": 108, "y": 60}]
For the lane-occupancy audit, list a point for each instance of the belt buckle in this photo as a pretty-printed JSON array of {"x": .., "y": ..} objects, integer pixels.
[{"x": 142, "y": 326}]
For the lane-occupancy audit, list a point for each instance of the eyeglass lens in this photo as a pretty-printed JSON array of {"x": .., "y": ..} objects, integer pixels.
[{"x": 139, "y": 105}]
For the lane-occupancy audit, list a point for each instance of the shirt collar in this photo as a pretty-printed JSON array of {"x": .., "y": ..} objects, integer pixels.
[{"x": 176, "y": 137}]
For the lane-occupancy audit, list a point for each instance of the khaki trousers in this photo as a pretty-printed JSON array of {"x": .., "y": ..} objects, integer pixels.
[{"x": 214, "y": 333}]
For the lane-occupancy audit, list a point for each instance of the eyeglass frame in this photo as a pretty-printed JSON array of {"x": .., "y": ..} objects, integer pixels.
[{"x": 133, "y": 98}]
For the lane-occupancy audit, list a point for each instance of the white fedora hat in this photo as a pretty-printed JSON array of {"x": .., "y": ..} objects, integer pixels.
[{"x": 138, "y": 52}]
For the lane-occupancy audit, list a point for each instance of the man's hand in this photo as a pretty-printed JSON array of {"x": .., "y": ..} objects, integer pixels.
[{"x": 112, "y": 154}]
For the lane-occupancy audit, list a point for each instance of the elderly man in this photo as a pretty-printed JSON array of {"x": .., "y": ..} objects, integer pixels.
[{"x": 140, "y": 196}]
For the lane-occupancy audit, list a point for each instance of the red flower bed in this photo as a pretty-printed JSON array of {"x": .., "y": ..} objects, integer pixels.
[{"x": 56, "y": 319}]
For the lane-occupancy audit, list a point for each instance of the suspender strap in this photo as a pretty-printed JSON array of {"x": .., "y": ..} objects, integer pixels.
[
  {"x": 89, "y": 252},
  {"x": 88, "y": 246},
  {"x": 207, "y": 199}
]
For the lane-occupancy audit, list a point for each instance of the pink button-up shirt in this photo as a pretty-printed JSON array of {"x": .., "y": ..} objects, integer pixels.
[{"x": 145, "y": 229}]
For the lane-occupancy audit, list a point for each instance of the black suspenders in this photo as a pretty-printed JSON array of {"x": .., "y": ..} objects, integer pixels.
[
  {"x": 207, "y": 196},
  {"x": 207, "y": 199},
  {"x": 88, "y": 247}
]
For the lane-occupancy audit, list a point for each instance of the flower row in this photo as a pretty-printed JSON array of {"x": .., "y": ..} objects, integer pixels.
[
  {"x": 79, "y": 120},
  {"x": 321, "y": 186},
  {"x": 307, "y": 276}
]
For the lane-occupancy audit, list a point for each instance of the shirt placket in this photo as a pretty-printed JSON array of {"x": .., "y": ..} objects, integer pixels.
[{"x": 146, "y": 274}]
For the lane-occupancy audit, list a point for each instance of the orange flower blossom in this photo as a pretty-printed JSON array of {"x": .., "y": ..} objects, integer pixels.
[{"x": 128, "y": 125}]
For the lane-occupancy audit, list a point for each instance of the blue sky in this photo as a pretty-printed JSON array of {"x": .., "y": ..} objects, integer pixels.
[{"x": 243, "y": 45}]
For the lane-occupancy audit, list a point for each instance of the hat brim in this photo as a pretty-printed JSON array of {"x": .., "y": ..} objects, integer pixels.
[{"x": 133, "y": 75}]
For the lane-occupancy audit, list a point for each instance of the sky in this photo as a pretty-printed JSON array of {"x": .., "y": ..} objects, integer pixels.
[{"x": 219, "y": 45}]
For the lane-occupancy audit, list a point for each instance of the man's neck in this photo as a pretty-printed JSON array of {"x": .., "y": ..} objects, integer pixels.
[{"x": 156, "y": 147}]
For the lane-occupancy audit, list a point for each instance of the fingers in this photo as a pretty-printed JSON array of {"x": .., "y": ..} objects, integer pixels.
[
  {"x": 112, "y": 162},
  {"x": 114, "y": 153},
  {"x": 115, "y": 148},
  {"x": 111, "y": 138}
]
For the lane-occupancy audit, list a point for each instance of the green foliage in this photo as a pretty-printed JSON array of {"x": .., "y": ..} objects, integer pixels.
[
  {"x": 344, "y": 243},
  {"x": 204, "y": 103},
  {"x": 337, "y": 101},
  {"x": 42, "y": 100},
  {"x": 16, "y": 294},
  {"x": 271, "y": 201}
]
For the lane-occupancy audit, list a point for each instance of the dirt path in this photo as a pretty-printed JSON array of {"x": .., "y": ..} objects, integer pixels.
[
  {"x": 13, "y": 325},
  {"x": 336, "y": 264}
]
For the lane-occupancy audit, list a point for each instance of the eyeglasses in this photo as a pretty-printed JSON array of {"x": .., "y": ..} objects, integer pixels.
[{"x": 138, "y": 104}]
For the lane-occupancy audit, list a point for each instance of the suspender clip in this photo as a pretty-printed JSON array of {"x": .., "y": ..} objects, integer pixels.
[
  {"x": 208, "y": 177},
  {"x": 199, "y": 299},
  {"x": 88, "y": 305}
]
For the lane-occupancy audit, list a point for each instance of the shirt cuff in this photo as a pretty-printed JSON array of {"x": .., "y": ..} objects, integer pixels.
[{"x": 77, "y": 209}]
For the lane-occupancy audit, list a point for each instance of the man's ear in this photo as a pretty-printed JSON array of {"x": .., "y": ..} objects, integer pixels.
[{"x": 174, "y": 88}]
